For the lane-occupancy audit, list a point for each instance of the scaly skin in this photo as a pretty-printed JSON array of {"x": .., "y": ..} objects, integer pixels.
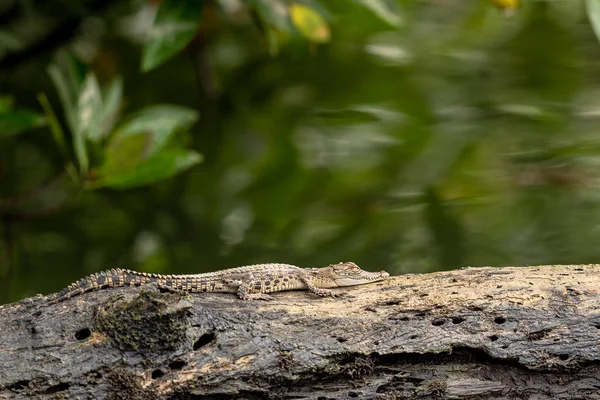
[{"x": 251, "y": 282}]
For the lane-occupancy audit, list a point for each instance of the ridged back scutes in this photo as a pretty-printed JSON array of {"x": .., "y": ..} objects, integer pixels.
[{"x": 246, "y": 269}]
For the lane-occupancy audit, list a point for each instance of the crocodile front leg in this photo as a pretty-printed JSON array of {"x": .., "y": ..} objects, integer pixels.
[
  {"x": 316, "y": 290},
  {"x": 245, "y": 289}
]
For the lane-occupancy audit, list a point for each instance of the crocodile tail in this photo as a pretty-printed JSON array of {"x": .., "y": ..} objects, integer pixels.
[{"x": 106, "y": 279}]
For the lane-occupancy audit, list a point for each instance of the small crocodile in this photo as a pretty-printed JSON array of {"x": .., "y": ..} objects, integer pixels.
[{"x": 250, "y": 282}]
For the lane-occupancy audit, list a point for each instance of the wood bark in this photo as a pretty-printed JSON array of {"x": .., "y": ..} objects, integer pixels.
[{"x": 477, "y": 333}]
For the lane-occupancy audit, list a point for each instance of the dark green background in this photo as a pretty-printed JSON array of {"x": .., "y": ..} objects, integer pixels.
[{"x": 462, "y": 137}]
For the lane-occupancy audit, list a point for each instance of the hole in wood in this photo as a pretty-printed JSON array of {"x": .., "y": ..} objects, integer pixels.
[
  {"x": 458, "y": 320},
  {"x": 204, "y": 340},
  {"x": 19, "y": 385},
  {"x": 499, "y": 320},
  {"x": 177, "y": 364},
  {"x": 413, "y": 336},
  {"x": 563, "y": 357},
  {"x": 352, "y": 394},
  {"x": 61, "y": 387},
  {"x": 157, "y": 373},
  {"x": 341, "y": 339},
  {"x": 438, "y": 322},
  {"x": 83, "y": 334},
  {"x": 493, "y": 338},
  {"x": 392, "y": 302}
]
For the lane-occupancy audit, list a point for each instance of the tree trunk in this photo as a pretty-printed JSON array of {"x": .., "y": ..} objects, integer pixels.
[{"x": 531, "y": 332}]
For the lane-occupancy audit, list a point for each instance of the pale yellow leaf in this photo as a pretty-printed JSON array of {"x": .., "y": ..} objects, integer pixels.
[{"x": 310, "y": 23}]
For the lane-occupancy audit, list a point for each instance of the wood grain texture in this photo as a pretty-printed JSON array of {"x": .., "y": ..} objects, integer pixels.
[{"x": 514, "y": 332}]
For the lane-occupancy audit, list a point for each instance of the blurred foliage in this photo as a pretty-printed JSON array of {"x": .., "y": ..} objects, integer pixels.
[{"x": 183, "y": 136}]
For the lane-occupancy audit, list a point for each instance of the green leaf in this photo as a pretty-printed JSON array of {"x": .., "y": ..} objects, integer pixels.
[
  {"x": 387, "y": 10},
  {"x": 16, "y": 121},
  {"x": 310, "y": 23},
  {"x": 162, "y": 165},
  {"x": 113, "y": 96},
  {"x": 124, "y": 153},
  {"x": 68, "y": 95},
  {"x": 68, "y": 75},
  {"x": 89, "y": 110},
  {"x": 593, "y": 11},
  {"x": 13, "y": 122},
  {"x": 80, "y": 150},
  {"x": 160, "y": 122},
  {"x": 90, "y": 113},
  {"x": 140, "y": 139},
  {"x": 175, "y": 25},
  {"x": 58, "y": 134},
  {"x": 70, "y": 80}
]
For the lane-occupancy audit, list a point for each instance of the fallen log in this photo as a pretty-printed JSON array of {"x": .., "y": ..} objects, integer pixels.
[{"x": 514, "y": 332}]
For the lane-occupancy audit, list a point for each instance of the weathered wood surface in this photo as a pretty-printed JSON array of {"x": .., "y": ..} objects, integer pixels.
[{"x": 522, "y": 333}]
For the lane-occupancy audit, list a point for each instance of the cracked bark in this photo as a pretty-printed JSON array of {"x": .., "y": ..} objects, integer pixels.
[{"x": 531, "y": 332}]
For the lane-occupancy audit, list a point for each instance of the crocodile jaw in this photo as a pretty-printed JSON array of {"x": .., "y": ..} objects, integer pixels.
[{"x": 364, "y": 277}]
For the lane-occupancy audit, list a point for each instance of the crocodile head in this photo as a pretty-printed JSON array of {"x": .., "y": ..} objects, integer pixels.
[{"x": 346, "y": 274}]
